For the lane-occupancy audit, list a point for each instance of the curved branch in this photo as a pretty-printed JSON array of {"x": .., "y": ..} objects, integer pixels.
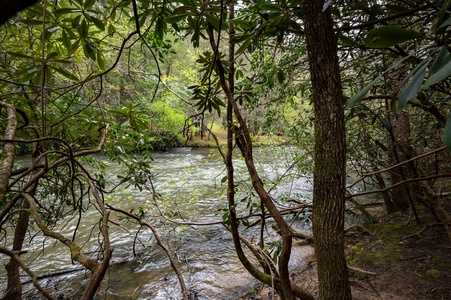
[
  {"x": 75, "y": 250},
  {"x": 383, "y": 20},
  {"x": 398, "y": 184},
  {"x": 395, "y": 166},
  {"x": 160, "y": 243},
  {"x": 99, "y": 273},
  {"x": 14, "y": 255},
  {"x": 55, "y": 164}
]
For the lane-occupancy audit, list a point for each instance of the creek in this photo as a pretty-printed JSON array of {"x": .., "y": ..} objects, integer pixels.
[{"x": 191, "y": 188}]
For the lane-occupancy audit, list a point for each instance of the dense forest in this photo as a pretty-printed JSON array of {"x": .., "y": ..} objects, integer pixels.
[{"x": 353, "y": 94}]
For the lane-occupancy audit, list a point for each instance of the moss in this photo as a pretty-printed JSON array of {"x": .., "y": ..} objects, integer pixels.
[
  {"x": 370, "y": 226},
  {"x": 434, "y": 273},
  {"x": 75, "y": 251},
  {"x": 395, "y": 233},
  {"x": 376, "y": 258},
  {"x": 353, "y": 253},
  {"x": 440, "y": 263}
]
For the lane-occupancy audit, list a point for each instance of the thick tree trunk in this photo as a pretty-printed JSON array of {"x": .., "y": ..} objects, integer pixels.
[{"x": 329, "y": 157}]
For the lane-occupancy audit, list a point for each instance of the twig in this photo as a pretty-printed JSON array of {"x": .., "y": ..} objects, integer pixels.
[
  {"x": 398, "y": 184},
  {"x": 162, "y": 246},
  {"x": 99, "y": 273},
  {"x": 359, "y": 270},
  {"x": 395, "y": 166}
]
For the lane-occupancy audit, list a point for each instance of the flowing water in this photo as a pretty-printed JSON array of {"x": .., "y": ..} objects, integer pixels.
[{"x": 190, "y": 187}]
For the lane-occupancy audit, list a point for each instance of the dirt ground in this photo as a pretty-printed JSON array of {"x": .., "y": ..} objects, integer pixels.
[{"x": 397, "y": 258}]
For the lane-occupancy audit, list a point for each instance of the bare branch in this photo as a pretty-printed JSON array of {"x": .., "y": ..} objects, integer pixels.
[
  {"x": 398, "y": 184},
  {"x": 99, "y": 273},
  {"x": 14, "y": 255},
  {"x": 395, "y": 166},
  {"x": 53, "y": 165},
  {"x": 162, "y": 246}
]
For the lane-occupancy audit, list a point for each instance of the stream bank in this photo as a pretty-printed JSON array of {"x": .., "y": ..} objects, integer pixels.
[{"x": 394, "y": 259}]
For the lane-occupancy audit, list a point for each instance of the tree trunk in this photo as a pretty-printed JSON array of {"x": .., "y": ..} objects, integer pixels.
[
  {"x": 400, "y": 151},
  {"x": 329, "y": 156},
  {"x": 14, "y": 287}
]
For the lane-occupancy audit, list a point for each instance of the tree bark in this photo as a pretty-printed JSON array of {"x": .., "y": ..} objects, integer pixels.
[
  {"x": 400, "y": 151},
  {"x": 8, "y": 151},
  {"x": 14, "y": 287},
  {"x": 329, "y": 156}
]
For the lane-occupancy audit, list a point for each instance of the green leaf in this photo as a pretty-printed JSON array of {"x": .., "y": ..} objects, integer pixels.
[
  {"x": 243, "y": 24},
  {"x": 243, "y": 46},
  {"x": 438, "y": 76},
  {"x": 51, "y": 55},
  {"x": 176, "y": 18},
  {"x": 281, "y": 76},
  {"x": 442, "y": 59},
  {"x": 270, "y": 7},
  {"x": 63, "y": 11},
  {"x": 97, "y": 22},
  {"x": 346, "y": 41},
  {"x": 88, "y": 3},
  {"x": 83, "y": 29},
  {"x": 389, "y": 36},
  {"x": 66, "y": 40},
  {"x": 28, "y": 73},
  {"x": 386, "y": 123},
  {"x": 447, "y": 134},
  {"x": 76, "y": 21},
  {"x": 31, "y": 22},
  {"x": 382, "y": 146},
  {"x": 74, "y": 47},
  {"x": 445, "y": 24},
  {"x": 111, "y": 29},
  {"x": 89, "y": 50},
  {"x": 414, "y": 85},
  {"x": 160, "y": 28},
  {"x": 361, "y": 94},
  {"x": 215, "y": 22},
  {"x": 65, "y": 73},
  {"x": 18, "y": 54},
  {"x": 101, "y": 61}
]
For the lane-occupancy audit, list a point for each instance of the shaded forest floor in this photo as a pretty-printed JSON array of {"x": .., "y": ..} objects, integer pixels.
[{"x": 397, "y": 258}]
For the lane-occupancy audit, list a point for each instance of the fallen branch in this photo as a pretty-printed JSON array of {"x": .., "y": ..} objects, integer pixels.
[{"x": 359, "y": 270}]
